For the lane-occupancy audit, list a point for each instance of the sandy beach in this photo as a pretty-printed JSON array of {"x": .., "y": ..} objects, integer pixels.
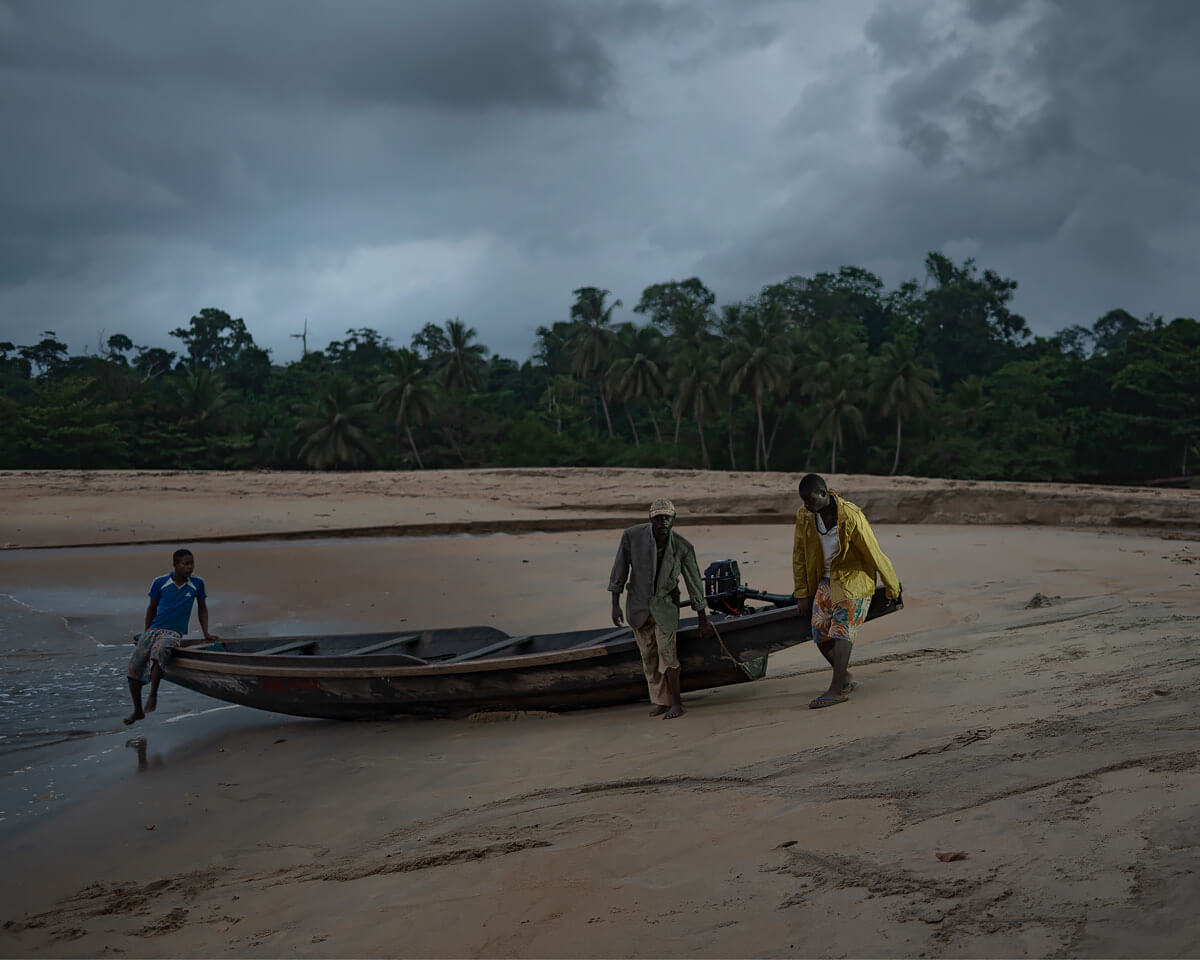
[{"x": 1017, "y": 774}]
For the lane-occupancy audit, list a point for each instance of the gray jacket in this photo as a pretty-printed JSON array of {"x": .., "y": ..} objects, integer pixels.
[{"x": 653, "y": 592}]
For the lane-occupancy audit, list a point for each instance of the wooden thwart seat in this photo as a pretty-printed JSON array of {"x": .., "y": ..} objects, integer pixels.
[
  {"x": 603, "y": 638},
  {"x": 383, "y": 645},
  {"x": 285, "y": 647},
  {"x": 493, "y": 648}
]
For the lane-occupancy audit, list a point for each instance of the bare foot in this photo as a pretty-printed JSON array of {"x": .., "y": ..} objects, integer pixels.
[
  {"x": 659, "y": 710},
  {"x": 134, "y": 717},
  {"x": 675, "y": 711},
  {"x": 151, "y": 704}
]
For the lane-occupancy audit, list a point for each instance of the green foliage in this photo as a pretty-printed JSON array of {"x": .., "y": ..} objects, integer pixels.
[
  {"x": 63, "y": 426},
  {"x": 214, "y": 339},
  {"x": 966, "y": 325},
  {"x": 46, "y": 356},
  {"x": 332, "y": 429},
  {"x": 833, "y": 369}
]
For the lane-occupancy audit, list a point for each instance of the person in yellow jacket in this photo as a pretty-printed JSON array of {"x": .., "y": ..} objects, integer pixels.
[{"x": 835, "y": 559}]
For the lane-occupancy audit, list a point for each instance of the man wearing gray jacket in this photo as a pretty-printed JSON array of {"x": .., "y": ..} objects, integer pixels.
[{"x": 651, "y": 558}]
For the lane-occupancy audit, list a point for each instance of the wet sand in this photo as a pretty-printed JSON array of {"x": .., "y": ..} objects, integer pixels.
[{"x": 1052, "y": 749}]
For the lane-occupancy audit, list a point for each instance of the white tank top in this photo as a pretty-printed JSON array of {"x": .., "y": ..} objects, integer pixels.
[{"x": 829, "y": 542}]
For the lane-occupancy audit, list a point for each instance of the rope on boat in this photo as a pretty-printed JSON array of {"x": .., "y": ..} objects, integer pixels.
[{"x": 753, "y": 669}]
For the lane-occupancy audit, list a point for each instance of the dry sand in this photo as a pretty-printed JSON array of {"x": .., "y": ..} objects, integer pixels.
[{"x": 1052, "y": 749}]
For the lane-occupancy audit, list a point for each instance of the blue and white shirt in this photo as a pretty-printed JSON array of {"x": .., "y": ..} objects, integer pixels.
[{"x": 175, "y": 602}]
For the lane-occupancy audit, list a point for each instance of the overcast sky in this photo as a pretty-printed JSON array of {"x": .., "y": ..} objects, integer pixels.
[{"x": 386, "y": 164}]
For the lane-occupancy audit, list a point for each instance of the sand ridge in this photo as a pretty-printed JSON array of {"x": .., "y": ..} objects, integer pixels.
[{"x": 69, "y": 508}]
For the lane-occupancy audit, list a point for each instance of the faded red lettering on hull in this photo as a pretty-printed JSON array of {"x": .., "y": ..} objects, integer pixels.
[{"x": 272, "y": 685}]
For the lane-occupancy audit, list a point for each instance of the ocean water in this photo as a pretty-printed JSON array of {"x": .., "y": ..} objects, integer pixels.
[
  {"x": 62, "y": 682},
  {"x": 63, "y": 697}
]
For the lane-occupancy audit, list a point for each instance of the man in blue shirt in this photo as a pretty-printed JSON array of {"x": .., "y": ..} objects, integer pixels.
[{"x": 167, "y": 617}]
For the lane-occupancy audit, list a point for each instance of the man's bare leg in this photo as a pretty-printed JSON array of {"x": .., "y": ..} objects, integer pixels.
[
  {"x": 837, "y": 652},
  {"x": 827, "y": 653},
  {"x": 135, "y": 691},
  {"x": 676, "y": 708},
  {"x": 155, "y": 678}
]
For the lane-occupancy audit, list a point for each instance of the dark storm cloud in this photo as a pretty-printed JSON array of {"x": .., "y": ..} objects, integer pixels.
[
  {"x": 455, "y": 53},
  {"x": 206, "y": 118},
  {"x": 390, "y": 163},
  {"x": 1049, "y": 140},
  {"x": 993, "y": 11}
]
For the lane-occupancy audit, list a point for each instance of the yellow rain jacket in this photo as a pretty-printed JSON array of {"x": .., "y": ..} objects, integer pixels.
[{"x": 859, "y": 558}]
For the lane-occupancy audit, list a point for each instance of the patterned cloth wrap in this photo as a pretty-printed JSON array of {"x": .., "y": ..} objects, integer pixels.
[
  {"x": 153, "y": 646},
  {"x": 838, "y": 621}
]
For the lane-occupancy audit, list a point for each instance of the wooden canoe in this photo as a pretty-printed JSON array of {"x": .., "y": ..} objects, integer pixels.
[{"x": 464, "y": 670}]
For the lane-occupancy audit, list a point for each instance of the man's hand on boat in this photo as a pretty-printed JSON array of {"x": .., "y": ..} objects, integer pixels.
[
  {"x": 618, "y": 619},
  {"x": 804, "y": 606},
  {"x": 707, "y": 630}
]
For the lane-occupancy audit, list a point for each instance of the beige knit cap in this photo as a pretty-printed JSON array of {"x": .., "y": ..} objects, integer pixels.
[{"x": 662, "y": 506}]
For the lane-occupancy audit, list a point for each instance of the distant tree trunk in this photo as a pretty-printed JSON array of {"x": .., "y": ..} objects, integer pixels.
[
  {"x": 678, "y": 424},
  {"x": 654, "y": 421},
  {"x": 732, "y": 458},
  {"x": 454, "y": 445},
  {"x": 412, "y": 444},
  {"x": 896, "y": 461},
  {"x": 632, "y": 426},
  {"x": 761, "y": 440},
  {"x": 450, "y": 435},
  {"x": 703, "y": 446},
  {"x": 833, "y": 456},
  {"x": 774, "y": 431},
  {"x": 607, "y": 418}
]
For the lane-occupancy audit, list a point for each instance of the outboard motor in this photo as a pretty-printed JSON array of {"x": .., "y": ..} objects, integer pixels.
[
  {"x": 726, "y": 594},
  {"x": 723, "y": 589}
]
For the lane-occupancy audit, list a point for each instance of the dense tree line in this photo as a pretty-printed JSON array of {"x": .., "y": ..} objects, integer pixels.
[{"x": 832, "y": 371}]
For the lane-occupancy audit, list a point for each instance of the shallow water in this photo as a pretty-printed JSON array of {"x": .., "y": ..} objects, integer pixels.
[
  {"x": 63, "y": 697},
  {"x": 62, "y": 682}
]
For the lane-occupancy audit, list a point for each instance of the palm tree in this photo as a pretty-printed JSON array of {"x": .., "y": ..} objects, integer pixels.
[
  {"x": 696, "y": 393},
  {"x": 900, "y": 383},
  {"x": 831, "y": 353},
  {"x": 203, "y": 401},
  {"x": 839, "y": 411},
  {"x": 731, "y": 319},
  {"x": 559, "y": 392},
  {"x": 332, "y": 427},
  {"x": 635, "y": 376},
  {"x": 968, "y": 399},
  {"x": 593, "y": 340},
  {"x": 405, "y": 396},
  {"x": 462, "y": 363},
  {"x": 757, "y": 363},
  {"x": 460, "y": 369},
  {"x": 688, "y": 343}
]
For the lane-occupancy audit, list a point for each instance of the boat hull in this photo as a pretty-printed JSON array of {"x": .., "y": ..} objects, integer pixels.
[{"x": 582, "y": 674}]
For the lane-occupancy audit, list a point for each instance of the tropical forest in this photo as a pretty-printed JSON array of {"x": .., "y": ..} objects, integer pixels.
[{"x": 832, "y": 372}]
